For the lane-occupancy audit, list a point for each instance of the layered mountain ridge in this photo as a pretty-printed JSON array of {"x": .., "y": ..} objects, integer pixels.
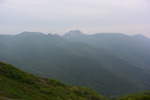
[
  {"x": 134, "y": 49},
  {"x": 107, "y": 63}
]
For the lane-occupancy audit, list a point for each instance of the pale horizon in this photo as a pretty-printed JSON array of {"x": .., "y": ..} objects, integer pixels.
[{"x": 91, "y": 16}]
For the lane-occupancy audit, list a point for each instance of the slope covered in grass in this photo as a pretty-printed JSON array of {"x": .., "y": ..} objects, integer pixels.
[
  {"x": 17, "y": 84},
  {"x": 137, "y": 96}
]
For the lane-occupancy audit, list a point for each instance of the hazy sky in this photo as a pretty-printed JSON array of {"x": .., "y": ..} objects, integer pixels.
[{"x": 61, "y": 16}]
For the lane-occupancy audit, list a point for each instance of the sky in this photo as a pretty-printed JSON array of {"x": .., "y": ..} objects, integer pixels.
[{"x": 90, "y": 16}]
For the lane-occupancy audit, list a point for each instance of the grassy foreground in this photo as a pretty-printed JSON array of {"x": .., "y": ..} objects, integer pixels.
[
  {"x": 16, "y": 84},
  {"x": 19, "y": 85}
]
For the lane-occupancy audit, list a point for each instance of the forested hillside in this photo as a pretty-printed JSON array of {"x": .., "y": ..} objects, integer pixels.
[
  {"x": 144, "y": 95},
  {"x": 75, "y": 63},
  {"x": 16, "y": 84}
]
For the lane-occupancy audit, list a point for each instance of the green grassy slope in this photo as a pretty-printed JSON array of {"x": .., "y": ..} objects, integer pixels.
[
  {"x": 16, "y": 84},
  {"x": 137, "y": 96}
]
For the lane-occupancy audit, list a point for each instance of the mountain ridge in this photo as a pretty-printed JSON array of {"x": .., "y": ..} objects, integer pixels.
[
  {"x": 127, "y": 47},
  {"x": 79, "y": 63}
]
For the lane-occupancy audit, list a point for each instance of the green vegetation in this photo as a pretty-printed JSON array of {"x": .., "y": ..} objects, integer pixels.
[
  {"x": 137, "y": 96},
  {"x": 17, "y": 84}
]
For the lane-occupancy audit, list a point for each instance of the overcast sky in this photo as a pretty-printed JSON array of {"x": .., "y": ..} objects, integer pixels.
[{"x": 61, "y": 16}]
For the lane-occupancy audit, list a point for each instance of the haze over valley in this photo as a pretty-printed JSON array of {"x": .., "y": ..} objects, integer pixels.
[
  {"x": 112, "y": 64},
  {"x": 74, "y": 50}
]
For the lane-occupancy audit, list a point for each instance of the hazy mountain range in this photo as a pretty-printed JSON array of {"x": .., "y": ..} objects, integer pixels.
[{"x": 112, "y": 64}]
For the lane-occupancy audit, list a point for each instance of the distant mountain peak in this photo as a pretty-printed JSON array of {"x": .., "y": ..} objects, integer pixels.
[
  {"x": 26, "y": 33},
  {"x": 73, "y": 33},
  {"x": 140, "y": 36}
]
